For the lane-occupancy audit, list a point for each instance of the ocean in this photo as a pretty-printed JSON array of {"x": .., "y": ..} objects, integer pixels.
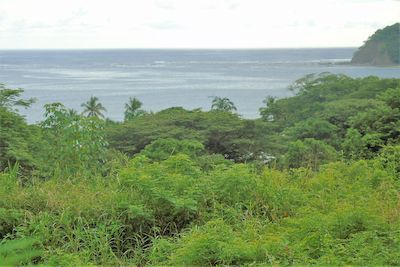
[{"x": 168, "y": 78}]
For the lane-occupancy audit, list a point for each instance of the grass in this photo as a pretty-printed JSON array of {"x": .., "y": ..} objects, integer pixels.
[{"x": 172, "y": 212}]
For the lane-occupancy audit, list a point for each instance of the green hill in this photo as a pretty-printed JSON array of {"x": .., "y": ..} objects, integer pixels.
[{"x": 382, "y": 48}]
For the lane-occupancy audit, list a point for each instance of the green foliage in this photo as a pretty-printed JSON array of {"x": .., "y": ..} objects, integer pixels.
[
  {"x": 170, "y": 212},
  {"x": 379, "y": 126},
  {"x": 317, "y": 95},
  {"x": 339, "y": 112},
  {"x": 132, "y": 109},
  {"x": 215, "y": 243},
  {"x": 73, "y": 143},
  {"x": 162, "y": 149},
  {"x": 268, "y": 112},
  {"x": 354, "y": 146},
  {"x": 318, "y": 129},
  {"x": 92, "y": 108},
  {"x": 358, "y": 116},
  {"x": 17, "y": 139},
  {"x": 169, "y": 189},
  {"x": 223, "y": 104},
  {"x": 324, "y": 108},
  {"x": 219, "y": 132},
  {"x": 181, "y": 187},
  {"x": 10, "y": 98},
  {"x": 9, "y": 218},
  {"x": 391, "y": 97},
  {"x": 17, "y": 252},
  {"x": 309, "y": 153},
  {"x": 389, "y": 158},
  {"x": 14, "y": 139}
]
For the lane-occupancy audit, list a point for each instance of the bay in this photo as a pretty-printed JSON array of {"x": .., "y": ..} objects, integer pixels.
[{"x": 163, "y": 78}]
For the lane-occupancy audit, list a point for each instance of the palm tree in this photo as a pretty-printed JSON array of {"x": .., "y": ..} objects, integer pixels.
[
  {"x": 93, "y": 108},
  {"x": 223, "y": 104},
  {"x": 132, "y": 109},
  {"x": 72, "y": 112}
]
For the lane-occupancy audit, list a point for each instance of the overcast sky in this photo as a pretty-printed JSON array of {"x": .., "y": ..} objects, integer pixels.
[{"x": 191, "y": 23}]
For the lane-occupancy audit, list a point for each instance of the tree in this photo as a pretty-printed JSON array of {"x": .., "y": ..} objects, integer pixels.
[
  {"x": 314, "y": 128},
  {"x": 389, "y": 158},
  {"x": 132, "y": 109},
  {"x": 17, "y": 138},
  {"x": 72, "y": 112},
  {"x": 220, "y": 132},
  {"x": 379, "y": 126},
  {"x": 309, "y": 153},
  {"x": 391, "y": 97},
  {"x": 223, "y": 104},
  {"x": 93, "y": 108},
  {"x": 162, "y": 149},
  {"x": 9, "y": 98},
  {"x": 267, "y": 112},
  {"x": 354, "y": 146},
  {"x": 74, "y": 143}
]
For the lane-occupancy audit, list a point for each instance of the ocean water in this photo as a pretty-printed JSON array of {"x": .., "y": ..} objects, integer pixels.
[{"x": 168, "y": 78}]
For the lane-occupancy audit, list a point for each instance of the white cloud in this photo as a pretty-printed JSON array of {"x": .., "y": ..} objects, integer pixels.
[{"x": 191, "y": 23}]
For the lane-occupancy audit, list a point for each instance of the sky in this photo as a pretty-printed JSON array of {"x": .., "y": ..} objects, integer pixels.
[{"x": 75, "y": 24}]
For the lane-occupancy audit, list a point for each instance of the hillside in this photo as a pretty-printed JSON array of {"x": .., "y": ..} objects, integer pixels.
[{"x": 382, "y": 48}]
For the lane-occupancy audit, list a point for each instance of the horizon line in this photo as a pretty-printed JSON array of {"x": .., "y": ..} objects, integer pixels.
[{"x": 176, "y": 48}]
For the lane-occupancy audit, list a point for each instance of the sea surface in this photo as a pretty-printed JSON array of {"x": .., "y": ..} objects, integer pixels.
[{"x": 168, "y": 78}]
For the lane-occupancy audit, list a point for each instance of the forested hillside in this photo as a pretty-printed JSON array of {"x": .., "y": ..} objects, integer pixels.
[
  {"x": 382, "y": 48},
  {"x": 315, "y": 180}
]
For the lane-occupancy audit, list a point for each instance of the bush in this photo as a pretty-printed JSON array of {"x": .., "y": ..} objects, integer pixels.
[{"x": 215, "y": 243}]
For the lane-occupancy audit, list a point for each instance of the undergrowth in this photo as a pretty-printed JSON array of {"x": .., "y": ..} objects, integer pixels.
[{"x": 174, "y": 212}]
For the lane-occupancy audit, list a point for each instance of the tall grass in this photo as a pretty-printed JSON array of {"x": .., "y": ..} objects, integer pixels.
[{"x": 173, "y": 212}]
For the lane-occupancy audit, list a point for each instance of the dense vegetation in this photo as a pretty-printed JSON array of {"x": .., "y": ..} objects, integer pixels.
[
  {"x": 315, "y": 180},
  {"x": 382, "y": 48}
]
